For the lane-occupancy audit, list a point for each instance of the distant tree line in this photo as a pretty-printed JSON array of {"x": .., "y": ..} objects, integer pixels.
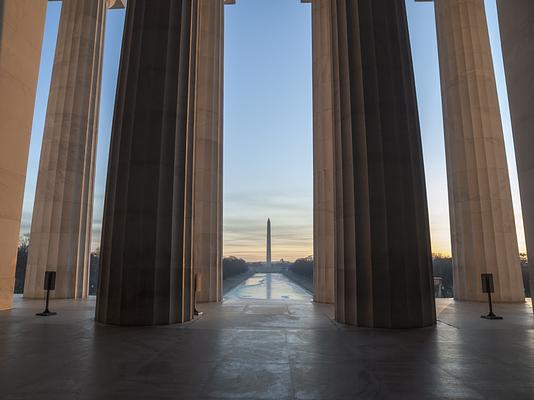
[
  {"x": 233, "y": 266},
  {"x": 303, "y": 267},
  {"x": 443, "y": 268},
  {"x": 22, "y": 260},
  {"x": 524, "y": 269}
]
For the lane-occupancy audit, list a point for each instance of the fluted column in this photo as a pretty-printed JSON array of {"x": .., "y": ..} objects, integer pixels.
[
  {"x": 220, "y": 208},
  {"x": 383, "y": 269},
  {"x": 21, "y": 34},
  {"x": 60, "y": 237},
  {"x": 483, "y": 234},
  {"x": 516, "y": 19},
  {"x": 323, "y": 154},
  {"x": 145, "y": 268},
  {"x": 207, "y": 203}
]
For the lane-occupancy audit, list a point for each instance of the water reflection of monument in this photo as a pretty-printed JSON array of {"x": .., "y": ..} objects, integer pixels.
[
  {"x": 269, "y": 259},
  {"x": 269, "y": 254},
  {"x": 269, "y": 286}
]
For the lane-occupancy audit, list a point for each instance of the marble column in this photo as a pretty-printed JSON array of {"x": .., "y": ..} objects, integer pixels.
[
  {"x": 516, "y": 19},
  {"x": 207, "y": 198},
  {"x": 146, "y": 274},
  {"x": 21, "y": 34},
  {"x": 483, "y": 233},
  {"x": 323, "y": 160},
  {"x": 220, "y": 234},
  {"x": 60, "y": 237},
  {"x": 383, "y": 266}
]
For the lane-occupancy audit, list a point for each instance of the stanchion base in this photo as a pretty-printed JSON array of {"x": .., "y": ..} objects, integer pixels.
[
  {"x": 46, "y": 313},
  {"x": 490, "y": 316}
]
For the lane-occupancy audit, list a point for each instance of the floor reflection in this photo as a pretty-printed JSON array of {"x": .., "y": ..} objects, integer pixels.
[{"x": 272, "y": 286}]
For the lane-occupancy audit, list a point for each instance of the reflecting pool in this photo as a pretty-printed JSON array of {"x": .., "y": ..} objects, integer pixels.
[{"x": 273, "y": 286}]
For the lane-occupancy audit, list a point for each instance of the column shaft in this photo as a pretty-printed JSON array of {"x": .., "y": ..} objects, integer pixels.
[
  {"x": 21, "y": 34},
  {"x": 383, "y": 260},
  {"x": 517, "y": 36},
  {"x": 483, "y": 234},
  {"x": 145, "y": 268},
  {"x": 207, "y": 207},
  {"x": 323, "y": 154},
  {"x": 60, "y": 238},
  {"x": 220, "y": 237}
]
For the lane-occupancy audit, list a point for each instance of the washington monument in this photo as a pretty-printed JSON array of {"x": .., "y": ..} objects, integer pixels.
[{"x": 269, "y": 242}]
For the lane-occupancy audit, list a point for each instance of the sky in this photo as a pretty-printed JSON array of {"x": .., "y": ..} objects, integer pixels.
[{"x": 268, "y": 123}]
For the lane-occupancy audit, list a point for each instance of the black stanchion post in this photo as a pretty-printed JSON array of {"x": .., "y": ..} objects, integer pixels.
[
  {"x": 49, "y": 284},
  {"x": 488, "y": 287},
  {"x": 198, "y": 286}
]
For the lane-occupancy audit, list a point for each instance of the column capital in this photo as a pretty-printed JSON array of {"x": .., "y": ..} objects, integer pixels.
[{"x": 114, "y": 4}]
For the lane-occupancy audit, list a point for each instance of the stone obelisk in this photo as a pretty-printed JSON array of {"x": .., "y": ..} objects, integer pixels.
[
  {"x": 60, "y": 236},
  {"x": 269, "y": 244},
  {"x": 483, "y": 233},
  {"x": 21, "y": 33}
]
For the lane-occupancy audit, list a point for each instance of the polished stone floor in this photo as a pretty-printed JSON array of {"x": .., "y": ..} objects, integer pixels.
[{"x": 275, "y": 349}]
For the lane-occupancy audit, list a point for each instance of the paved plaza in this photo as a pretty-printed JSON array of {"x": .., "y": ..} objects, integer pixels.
[{"x": 265, "y": 349}]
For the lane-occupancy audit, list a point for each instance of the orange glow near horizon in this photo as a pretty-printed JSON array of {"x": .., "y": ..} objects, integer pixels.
[{"x": 291, "y": 248}]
